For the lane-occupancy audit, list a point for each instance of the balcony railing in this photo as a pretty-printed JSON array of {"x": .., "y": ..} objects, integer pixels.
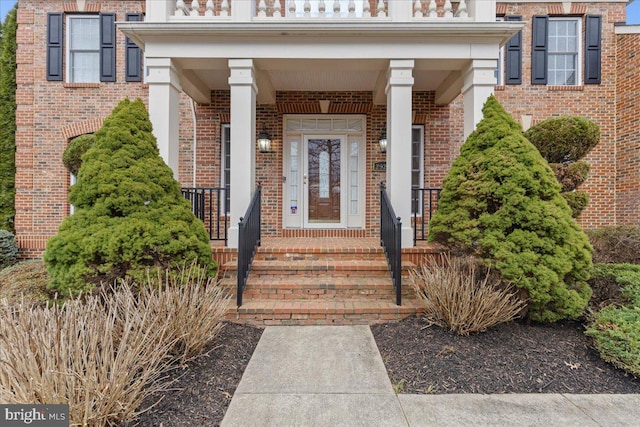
[
  {"x": 397, "y": 10},
  {"x": 424, "y": 202}
]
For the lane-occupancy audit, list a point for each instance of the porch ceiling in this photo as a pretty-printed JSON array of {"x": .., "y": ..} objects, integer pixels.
[
  {"x": 321, "y": 57},
  {"x": 319, "y": 75}
]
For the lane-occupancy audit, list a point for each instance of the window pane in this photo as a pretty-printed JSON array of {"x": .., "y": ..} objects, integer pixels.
[
  {"x": 563, "y": 51},
  {"x": 85, "y": 67},
  {"x": 84, "y": 34}
]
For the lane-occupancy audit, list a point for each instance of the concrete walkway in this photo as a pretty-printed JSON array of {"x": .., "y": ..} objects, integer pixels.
[{"x": 334, "y": 376}]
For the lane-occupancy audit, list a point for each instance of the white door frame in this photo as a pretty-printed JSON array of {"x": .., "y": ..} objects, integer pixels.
[{"x": 298, "y": 129}]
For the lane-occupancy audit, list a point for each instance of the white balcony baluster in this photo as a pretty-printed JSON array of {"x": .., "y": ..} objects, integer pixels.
[
  {"x": 277, "y": 8},
  {"x": 433, "y": 9},
  {"x": 322, "y": 8},
  {"x": 195, "y": 8},
  {"x": 382, "y": 13},
  {"x": 262, "y": 9},
  {"x": 448, "y": 9},
  {"x": 366, "y": 9},
  {"x": 180, "y": 8},
  {"x": 336, "y": 9},
  {"x": 292, "y": 8},
  {"x": 307, "y": 8},
  {"x": 417, "y": 9},
  {"x": 462, "y": 9},
  {"x": 352, "y": 9},
  {"x": 224, "y": 8},
  {"x": 209, "y": 8}
]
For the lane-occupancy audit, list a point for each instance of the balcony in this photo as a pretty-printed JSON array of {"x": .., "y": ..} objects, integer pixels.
[{"x": 318, "y": 10}]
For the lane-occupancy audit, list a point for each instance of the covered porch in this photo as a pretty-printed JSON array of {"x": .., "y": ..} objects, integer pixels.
[{"x": 265, "y": 67}]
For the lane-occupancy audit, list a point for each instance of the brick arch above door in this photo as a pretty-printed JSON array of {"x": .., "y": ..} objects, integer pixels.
[{"x": 81, "y": 128}]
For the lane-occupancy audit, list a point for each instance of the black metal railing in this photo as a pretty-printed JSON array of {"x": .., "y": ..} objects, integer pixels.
[
  {"x": 424, "y": 202},
  {"x": 391, "y": 241},
  {"x": 249, "y": 235},
  {"x": 209, "y": 204}
]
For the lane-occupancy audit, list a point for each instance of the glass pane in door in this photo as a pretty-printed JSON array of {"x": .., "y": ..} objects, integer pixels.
[{"x": 324, "y": 180}]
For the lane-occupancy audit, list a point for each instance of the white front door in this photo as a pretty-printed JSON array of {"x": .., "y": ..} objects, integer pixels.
[{"x": 324, "y": 179}]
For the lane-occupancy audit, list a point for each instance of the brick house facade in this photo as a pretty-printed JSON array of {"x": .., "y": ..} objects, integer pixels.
[{"x": 445, "y": 93}]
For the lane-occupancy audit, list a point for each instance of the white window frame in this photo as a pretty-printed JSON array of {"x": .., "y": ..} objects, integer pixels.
[
  {"x": 500, "y": 69},
  {"x": 420, "y": 128},
  {"x": 223, "y": 157},
  {"x": 579, "y": 51},
  {"x": 69, "y": 52}
]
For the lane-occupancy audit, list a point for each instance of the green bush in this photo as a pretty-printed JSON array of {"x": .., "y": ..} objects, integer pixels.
[
  {"x": 564, "y": 139},
  {"x": 501, "y": 202},
  {"x": 8, "y": 249},
  {"x": 72, "y": 156},
  {"x": 614, "y": 284},
  {"x": 129, "y": 216},
  {"x": 616, "y": 332},
  {"x": 616, "y": 245},
  {"x": 8, "y": 120},
  {"x": 570, "y": 175},
  {"x": 577, "y": 201}
]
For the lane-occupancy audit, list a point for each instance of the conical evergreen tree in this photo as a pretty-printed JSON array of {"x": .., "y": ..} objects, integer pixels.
[
  {"x": 129, "y": 212},
  {"x": 501, "y": 202},
  {"x": 8, "y": 49}
]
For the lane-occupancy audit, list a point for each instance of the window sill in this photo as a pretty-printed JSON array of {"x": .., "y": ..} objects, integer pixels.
[
  {"x": 579, "y": 88},
  {"x": 499, "y": 88},
  {"x": 81, "y": 85}
]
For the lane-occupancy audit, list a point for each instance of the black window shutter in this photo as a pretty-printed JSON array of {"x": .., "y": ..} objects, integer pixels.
[
  {"x": 54, "y": 47},
  {"x": 539, "y": 50},
  {"x": 133, "y": 55},
  {"x": 593, "y": 48},
  {"x": 107, "y": 47},
  {"x": 514, "y": 56}
]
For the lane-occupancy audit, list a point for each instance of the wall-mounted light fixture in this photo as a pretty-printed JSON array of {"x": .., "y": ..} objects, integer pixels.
[
  {"x": 264, "y": 140},
  {"x": 383, "y": 141}
]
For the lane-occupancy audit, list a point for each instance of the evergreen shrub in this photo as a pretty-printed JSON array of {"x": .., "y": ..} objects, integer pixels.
[
  {"x": 616, "y": 244},
  {"x": 72, "y": 156},
  {"x": 501, "y": 203},
  {"x": 577, "y": 201},
  {"x": 130, "y": 215},
  {"x": 8, "y": 249},
  {"x": 564, "y": 139}
]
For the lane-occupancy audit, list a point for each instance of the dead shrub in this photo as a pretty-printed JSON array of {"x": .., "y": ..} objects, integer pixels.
[
  {"x": 462, "y": 297},
  {"x": 104, "y": 354}
]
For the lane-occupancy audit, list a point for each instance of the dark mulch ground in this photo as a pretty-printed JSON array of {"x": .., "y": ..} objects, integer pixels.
[
  {"x": 510, "y": 358},
  {"x": 202, "y": 391}
]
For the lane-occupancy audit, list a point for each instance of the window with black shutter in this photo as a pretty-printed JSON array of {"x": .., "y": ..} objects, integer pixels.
[{"x": 133, "y": 54}]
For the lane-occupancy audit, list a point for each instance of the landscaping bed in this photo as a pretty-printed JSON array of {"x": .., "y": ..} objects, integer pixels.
[{"x": 508, "y": 358}]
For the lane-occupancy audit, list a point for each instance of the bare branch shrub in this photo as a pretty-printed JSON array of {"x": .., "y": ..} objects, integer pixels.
[
  {"x": 105, "y": 353},
  {"x": 461, "y": 297}
]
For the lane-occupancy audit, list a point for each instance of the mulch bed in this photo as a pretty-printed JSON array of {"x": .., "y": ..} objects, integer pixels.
[
  {"x": 509, "y": 358},
  {"x": 203, "y": 390}
]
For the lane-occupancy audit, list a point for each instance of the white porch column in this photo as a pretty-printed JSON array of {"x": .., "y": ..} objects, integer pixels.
[
  {"x": 164, "y": 99},
  {"x": 482, "y": 10},
  {"x": 479, "y": 83},
  {"x": 399, "y": 103},
  {"x": 243, "y": 134},
  {"x": 159, "y": 10}
]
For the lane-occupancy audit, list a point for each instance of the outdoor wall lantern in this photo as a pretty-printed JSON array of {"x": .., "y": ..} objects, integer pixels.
[
  {"x": 383, "y": 141},
  {"x": 264, "y": 141}
]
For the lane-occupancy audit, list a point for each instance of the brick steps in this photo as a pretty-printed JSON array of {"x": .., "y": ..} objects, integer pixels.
[
  {"x": 338, "y": 282},
  {"x": 263, "y": 312}
]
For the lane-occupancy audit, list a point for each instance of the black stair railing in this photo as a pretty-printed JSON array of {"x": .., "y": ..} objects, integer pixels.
[
  {"x": 424, "y": 202},
  {"x": 249, "y": 235},
  {"x": 391, "y": 240},
  {"x": 209, "y": 205}
]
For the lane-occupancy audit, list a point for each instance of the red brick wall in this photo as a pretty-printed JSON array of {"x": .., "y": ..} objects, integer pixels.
[
  {"x": 596, "y": 102},
  {"x": 628, "y": 124},
  {"x": 49, "y": 114}
]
